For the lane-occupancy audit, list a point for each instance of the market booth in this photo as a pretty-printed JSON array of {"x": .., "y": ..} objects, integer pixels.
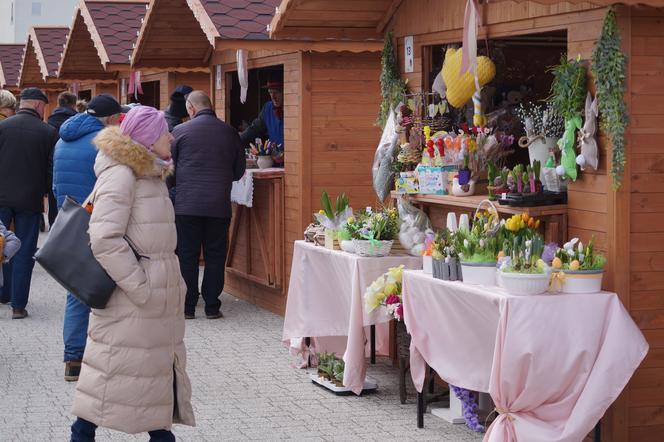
[
  {"x": 331, "y": 94},
  {"x": 39, "y": 67},
  {"x": 619, "y": 208},
  {"x": 10, "y": 66},
  {"x": 99, "y": 44}
]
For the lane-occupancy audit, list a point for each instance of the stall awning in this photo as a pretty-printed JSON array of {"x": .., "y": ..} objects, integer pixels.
[
  {"x": 363, "y": 20},
  {"x": 10, "y": 65},
  {"x": 101, "y": 40},
  {"x": 43, "y": 50}
]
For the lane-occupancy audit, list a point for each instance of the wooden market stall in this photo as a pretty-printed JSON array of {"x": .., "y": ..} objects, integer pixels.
[
  {"x": 331, "y": 94},
  {"x": 99, "y": 44},
  {"x": 39, "y": 67},
  {"x": 625, "y": 222},
  {"x": 10, "y": 66}
]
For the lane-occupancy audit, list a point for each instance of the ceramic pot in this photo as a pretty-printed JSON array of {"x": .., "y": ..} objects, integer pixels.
[
  {"x": 479, "y": 273},
  {"x": 427, "y": 264},
  {"x": 580, "y": 281},
  {"x": 460, "y": 190},
  {"x": 539, "y": 150},
  {"x": 525, "y": 284},
  {"x": 264, "y": 161}
]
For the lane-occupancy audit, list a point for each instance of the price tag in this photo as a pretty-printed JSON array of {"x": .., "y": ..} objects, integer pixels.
[{"x": 408, "y": 55}]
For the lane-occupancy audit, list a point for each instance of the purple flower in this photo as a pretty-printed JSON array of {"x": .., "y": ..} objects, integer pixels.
[
  {"x": 470, "y": 407},
  {"x": 392, "y": 299},
  {"x": 549, "y": 252},
  {"x": 399, "y": 312}
]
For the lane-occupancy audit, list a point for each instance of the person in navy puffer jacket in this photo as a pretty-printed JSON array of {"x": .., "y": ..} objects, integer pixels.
[{"x": 74, "y": 177}]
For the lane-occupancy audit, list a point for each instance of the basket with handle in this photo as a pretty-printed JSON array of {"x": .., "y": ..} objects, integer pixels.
[{"x": 490, "y": 206}]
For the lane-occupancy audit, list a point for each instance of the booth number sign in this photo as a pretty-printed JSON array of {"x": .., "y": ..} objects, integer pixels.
[{"x": 408, "y": 47}]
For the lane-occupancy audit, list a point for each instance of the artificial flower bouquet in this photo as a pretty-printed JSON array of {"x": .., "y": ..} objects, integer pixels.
[
  {"x": 386, "y": 292},
  {"x": 578, "y": 268},
  {"x": 446, "y": 265}
]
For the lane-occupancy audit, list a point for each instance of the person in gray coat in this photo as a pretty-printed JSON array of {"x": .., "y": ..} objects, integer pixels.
[{"x": 9, "y": 245}]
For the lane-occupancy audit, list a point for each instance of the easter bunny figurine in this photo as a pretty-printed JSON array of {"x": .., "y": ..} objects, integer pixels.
[{"x": 587, "y": 141}]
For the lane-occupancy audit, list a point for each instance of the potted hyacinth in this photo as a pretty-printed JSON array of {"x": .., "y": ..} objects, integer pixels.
[
  {"x": 578, "y": 268},
  {"x": 478, "y": 248},
  {"x": 333, "y": 218},
  {"x": 446, "y": 264}
]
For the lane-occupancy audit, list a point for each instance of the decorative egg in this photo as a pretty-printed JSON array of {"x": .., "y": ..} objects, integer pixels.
[
  {"x": 574, "y": 265},
  {"x": 560, "y": 171},
  {"x": 556, "y": 263}
]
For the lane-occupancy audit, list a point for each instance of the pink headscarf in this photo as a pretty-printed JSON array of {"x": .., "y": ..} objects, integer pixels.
[{"x": 144, "y": 125}]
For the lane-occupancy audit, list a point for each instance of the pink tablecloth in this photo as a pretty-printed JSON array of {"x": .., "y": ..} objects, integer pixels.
[
  {"x": 553, "y": 364},
  {"x": 326, "y": 298}
]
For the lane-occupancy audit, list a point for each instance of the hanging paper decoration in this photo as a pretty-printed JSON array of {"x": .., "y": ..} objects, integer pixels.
[
  {"x": 75, "y": 88},
  {"x": 135, "y": 88},
  {"x": 242, "y": 73},
  {"x": 470, "y": 22}
]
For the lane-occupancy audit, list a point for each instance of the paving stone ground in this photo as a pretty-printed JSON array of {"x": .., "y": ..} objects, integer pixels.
[{"x": 243, "y": 386}]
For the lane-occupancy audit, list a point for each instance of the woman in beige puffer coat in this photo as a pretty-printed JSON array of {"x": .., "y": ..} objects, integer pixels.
[{"x": 133, "y": 376}]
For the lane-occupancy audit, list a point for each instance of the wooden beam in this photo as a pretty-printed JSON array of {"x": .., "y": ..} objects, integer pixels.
[
  {"x": 336, "y": 33},
  {"x": 388, "y": 15},
  {"x": 290, "y": 45},
  {"x": 279, "y": 19}
]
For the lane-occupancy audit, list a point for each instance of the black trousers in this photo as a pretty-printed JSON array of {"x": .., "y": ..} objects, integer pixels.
[
  {"x": 52, "y": 208},
  {"x": 211, "y": 234}
]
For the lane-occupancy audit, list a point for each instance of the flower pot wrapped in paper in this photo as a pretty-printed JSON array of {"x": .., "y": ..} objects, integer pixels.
[
  {"x": 478, "y": 246},
  {"x": 333, "y": 219},
  {"x": 445, "y": 259},
  {"x": 577, "y": 269}
]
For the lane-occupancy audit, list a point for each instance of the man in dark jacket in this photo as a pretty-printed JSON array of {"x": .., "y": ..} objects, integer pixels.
[
  {"x": 176, "y": 111},
  {"x": 26, "y": 166},
  {"x": 74, "y": 177},
  {"x": 208, "y": 156},
  {"x": 65, "y": 110}
]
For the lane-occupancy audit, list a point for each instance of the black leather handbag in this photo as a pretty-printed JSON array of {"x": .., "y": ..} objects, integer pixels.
[{"x": 67, "y": 257}]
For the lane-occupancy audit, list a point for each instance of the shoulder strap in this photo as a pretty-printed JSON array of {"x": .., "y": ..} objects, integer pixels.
[{"x": 91, "y": 197}]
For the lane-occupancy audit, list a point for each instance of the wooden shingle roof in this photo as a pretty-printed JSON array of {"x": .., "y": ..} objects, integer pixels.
[
  {"x": 10, "y": 64},
  {"x": 41, "y": 57}
]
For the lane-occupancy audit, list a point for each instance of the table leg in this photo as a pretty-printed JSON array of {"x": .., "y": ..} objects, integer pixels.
[
  {"x": 307, "y": 342},
  {"x": 373, "y": 343},
  {"x": 420, "y": 409},
  {"x": 432, "y": 379},
  {"x": 597, "y": 437}
]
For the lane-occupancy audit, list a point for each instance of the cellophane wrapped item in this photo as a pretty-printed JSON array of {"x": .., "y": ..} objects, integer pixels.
[
  {"x": 383, "y": 173},
  {"x": 415, "y": 226}
]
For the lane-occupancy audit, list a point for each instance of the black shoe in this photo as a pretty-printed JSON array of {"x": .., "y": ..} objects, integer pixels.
[
  {"x": 19, "y": 313},
  {"x": 214, "y": 315},
  {"x": 189, "y": 316},
  {"x": 4, "y": 302},
  {"x": 72, "y": 370}
]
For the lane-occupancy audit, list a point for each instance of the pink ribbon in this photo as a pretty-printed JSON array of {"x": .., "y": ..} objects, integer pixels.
[
  {"x": 135, "y": 87},
  {"x": 471, "y": 21},
  {"x": 75, "y": 88}
]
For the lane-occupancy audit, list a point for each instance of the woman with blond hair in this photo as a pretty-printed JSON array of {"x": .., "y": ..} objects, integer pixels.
[
  {"x": 133, "y": 377},
  {"x": 7, "y": 104}
]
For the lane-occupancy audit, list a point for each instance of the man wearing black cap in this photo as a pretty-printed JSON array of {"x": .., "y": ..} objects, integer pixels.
[
  {"x": 74, "y": 176},
  {"x": 26, "y": 166},
  {"x": 176, "y": 111}
]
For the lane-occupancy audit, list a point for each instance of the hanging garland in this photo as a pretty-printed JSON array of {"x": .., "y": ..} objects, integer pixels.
[
  {"x": 609, "y": 65},
  {"x": 392, "y": 87}
]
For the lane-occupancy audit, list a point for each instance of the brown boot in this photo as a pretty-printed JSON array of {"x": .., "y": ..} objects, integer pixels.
[
  {"x": 72, "y": 370},
  {"x": 18, "y": 313}
]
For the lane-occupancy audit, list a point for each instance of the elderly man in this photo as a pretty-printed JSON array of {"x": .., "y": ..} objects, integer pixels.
[
  {"x": 74, "y": 177},
  {"x": 270, "y": 123},
  {"x": 7, "y": 104},
  {"x": 208, "y": 157},
  {"x": 65, "y": 110},
  {"x": 26, "y": 166}
]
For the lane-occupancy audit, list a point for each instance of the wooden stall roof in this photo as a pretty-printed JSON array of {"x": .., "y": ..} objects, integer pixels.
[
  {"x": 101, "y": 40},
  {"x": 363, "y": 20},
  {"x": 184, "y": 33},
  {"x": 41, "y": 58},
  {"x": 10, "y": 65}
]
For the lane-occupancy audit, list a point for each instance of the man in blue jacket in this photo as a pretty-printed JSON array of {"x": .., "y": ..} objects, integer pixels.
[
  {"x": 270, "y": 123},
  {"x": 74, "y": 176}
]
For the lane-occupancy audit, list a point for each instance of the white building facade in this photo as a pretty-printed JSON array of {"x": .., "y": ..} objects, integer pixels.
[{"x": 18, "y": 16}]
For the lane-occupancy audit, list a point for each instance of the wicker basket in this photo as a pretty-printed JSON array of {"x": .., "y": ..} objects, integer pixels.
[{"x": 372, "y": 248}]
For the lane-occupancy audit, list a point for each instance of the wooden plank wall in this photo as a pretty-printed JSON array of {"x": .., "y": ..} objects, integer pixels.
[
  {"x": 345, "y": 98},
  {"x": 197, "y": 80},
  {"x": 645, "y": 34}
]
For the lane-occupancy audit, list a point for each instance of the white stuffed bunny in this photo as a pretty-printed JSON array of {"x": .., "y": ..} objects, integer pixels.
[{"x": 587, "y": 142}]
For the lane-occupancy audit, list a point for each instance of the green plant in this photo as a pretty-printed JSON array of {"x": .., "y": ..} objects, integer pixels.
[
  {"x": 392, "y": 87},
  {"x": 574, "y": 256},
  {"x": 568, "y": 90},
  {"x": 525, "y": 254},
  {"x": 340, "y": 205},
  {"x": 609, "y": 65},
  {"x": 483, "y": 241}
]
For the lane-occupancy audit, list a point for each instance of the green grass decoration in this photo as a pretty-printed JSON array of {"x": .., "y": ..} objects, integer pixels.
[
  {"x": 609, "y": 66},
  {"x": 392, "y": 87}
]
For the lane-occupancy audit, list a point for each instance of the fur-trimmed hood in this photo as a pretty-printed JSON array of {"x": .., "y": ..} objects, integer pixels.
[{"x": 116, "y": 148}]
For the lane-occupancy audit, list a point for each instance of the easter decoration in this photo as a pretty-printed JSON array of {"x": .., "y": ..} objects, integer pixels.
[
  {"x": 373, "y": 233},
  {"x": 578, "y": 268},
  {"x": 543, "y": 129},
  {"x": 446, "y": 265},
  {"x": 567, "y": 95},
  {"x": 415, "y": 226},
  {"x": 333, "y": 218},
  {"x": 587, "y": 141}
]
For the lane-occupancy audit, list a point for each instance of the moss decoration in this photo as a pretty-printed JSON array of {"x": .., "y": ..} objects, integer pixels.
[
  {"x": 568, "y": 90},
  {"x": 609, "y": 65},
  {"x": 392, "y": 87}
]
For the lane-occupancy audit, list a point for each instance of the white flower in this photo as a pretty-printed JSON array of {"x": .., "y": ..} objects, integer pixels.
[
  {"x": 529, "y": 243},
  {"x": 481, "y": 243},
  {"x": 581, "y": 257},
  {"x": 570, "y": 252},
  {"x": 465, "y": 243},
  {"x": 580, "y": 248}
]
